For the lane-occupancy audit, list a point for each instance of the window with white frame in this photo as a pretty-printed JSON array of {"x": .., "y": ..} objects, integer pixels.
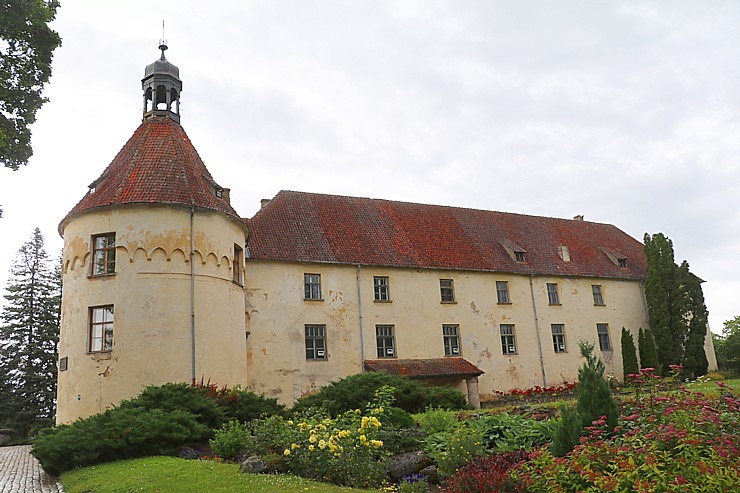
[
  {"x": 508, "y": 338},
  {"x": 312, "y": 286},
  {"x": 451, "y": 336},
  {"x": 315, "y": 342},
  {"x": 447, "y": 290},
  {"x": 381, "y": 288},
  {"x": 598, "y": 295},
  {"x": 558, "y": 338},
  {"x": 101, "y": 329},
  {"x": 552, "y": 293},
  {"x": 384, "y": 334},
  {"x": 502, "y": 292},
  {"x": 602, "y": 330}
]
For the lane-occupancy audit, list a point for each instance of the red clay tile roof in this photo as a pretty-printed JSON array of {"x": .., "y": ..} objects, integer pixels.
[
  {"x": 307, "y": 227},
  {"x": 425, "y": 368},
  {"x": 158, "y": 165}
]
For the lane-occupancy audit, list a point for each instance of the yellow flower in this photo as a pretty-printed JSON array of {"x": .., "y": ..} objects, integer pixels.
[
  {"x": 294, "y": 446},
  {"x": 311, "y": 448},
  {"x": 286, "y": 452},
  {"x": 322, "y": 444},
  {"x": 313, "y": 439},
  {"x": 363, "y": 438},
  {"x": 376, "y": 443}
]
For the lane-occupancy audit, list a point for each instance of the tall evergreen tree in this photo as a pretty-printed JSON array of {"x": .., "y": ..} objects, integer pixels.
[
  {"x": 629, "y": 353},
  {"x": 648, "y": 352},
  {"x": 29, "y": 335},
  {"x": 695, "y": 318},
  {"x": 664, "y": 300}
]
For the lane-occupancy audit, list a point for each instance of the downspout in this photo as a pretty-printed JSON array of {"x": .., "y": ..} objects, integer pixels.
[
  {"x": 359, "y": 307},
  {"x": 192, "y": 295},
  {"x": 537, "y": 329}
]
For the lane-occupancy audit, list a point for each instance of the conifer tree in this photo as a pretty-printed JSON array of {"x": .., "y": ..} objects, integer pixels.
[
  {"x": 664, "y": 301},
  {"x": 648, "y": 351},
  {"x": 696, "y": 319},
  {"x": 29, "y": 334},
  {"x": 629, "y": 353}
]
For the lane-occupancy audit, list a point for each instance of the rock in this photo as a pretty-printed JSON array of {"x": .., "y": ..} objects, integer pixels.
[
  {"x": 405, "y": 464},
  {"x": 431, "y": 474},
  {"x": 5, "y": 435},
  {"x": 253, "y": 465}
]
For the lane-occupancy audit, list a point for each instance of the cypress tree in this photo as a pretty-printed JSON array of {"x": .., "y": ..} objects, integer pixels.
[
  {"x": 629, "y": 353},
  {"x": 696, "y": 319},
  {"x": 664, "y": 301},
  {"x": 648, "y": 352},
  {"x": 29, "y": 335}
]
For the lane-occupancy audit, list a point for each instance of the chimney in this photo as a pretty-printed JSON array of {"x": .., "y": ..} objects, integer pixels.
[
  {"x": 263, "y": 203},
  {"x": 227, "y": 195},
  {"x": 579, "y": 217}
]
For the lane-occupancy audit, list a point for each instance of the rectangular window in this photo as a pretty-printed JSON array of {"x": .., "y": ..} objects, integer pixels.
[
  {"x": 502, "y": 292},
  {"x": 558, "y": 338},
  {"x": 237, "y": 264},
  {"x": 101, "y": 329},
  {"x": 605, "y": 343},
  {"x": 381, "y": 289},
  {"x": 312, "y": 286},
  {"x": 508, "y": 338},
  {"x": 104, "y": 254},
  {"x": 386, "y": 341},
  {"x": 519, "y": 256},
  {"x": 598, "y": 297},
  {"x": 451, "y": 336},
  {"x": 316, "y": 342},
  {"x": 622, "y": 262},
  {"x": 552, "y": 293},
  {"x": 447, "y": 290}
]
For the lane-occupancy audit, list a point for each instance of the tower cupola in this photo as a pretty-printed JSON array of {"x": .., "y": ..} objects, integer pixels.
[{"x": 162, "y": 87}]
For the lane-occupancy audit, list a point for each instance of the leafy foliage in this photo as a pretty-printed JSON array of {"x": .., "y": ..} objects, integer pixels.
[
  {"x": 29, "y": 340},
  {"x": 648, "y": 351},
  {"x": 511, "y": 432},
  {"x": 25, "y": 67},
  {"x": 487, "y": 474},
  {"x": 116, "y": 434},
  {"x": 629, "y": 353},
  {"x": 727, "y": 346},
  {"x": 356, "y": 391},
  {"x": 179, "y": 397},
  {"x": 595, "y": 401},
  {"x": 230, "y": 440},
  {"x": 241, "y": 405}
]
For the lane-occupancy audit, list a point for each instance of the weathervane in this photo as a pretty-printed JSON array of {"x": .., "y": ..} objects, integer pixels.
[{"x": 163, "y": 41}]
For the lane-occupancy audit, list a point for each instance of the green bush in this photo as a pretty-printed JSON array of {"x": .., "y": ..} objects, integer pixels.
[
  {"x": 512, "y": 432},
  {"x": 230, "y": 440},
  {"x": 244, "y": 406},
  {"x": 269, "y": 435},
  {"x": 435, "y": 420},
  {"x": 356, "y": 391},
  {"x": 119, "y": 433},
  {"x": 181, "y": 397}
]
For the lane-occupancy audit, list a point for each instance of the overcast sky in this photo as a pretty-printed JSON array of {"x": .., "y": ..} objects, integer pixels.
[{"x": 625, "y": 112}]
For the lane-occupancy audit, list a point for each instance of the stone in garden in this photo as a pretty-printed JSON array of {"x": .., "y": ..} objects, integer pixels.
[
  {"x": 406, "y": 464},
  {"x": 431, "y": 474},
  {"x": 253, "y": 465}
]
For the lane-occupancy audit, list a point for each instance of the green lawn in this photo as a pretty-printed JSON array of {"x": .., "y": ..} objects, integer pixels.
[
  {"x": 170, "y": 474},
  {"x": 711, "y": 389}
]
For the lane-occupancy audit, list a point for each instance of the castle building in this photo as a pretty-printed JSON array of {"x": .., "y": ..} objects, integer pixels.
[{"x": 164, "y": 282}]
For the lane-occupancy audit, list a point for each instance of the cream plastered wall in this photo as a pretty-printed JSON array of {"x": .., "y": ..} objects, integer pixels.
[
  {"x": 151, "y": 295},
  {"x": 277, "y": 314}
]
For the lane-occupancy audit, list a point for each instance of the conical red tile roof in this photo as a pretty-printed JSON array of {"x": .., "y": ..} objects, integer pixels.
[{"x": 158, "y": 165}]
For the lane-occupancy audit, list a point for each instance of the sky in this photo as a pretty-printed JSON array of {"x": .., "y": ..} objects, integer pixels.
[{"x": 627, "y": 112}]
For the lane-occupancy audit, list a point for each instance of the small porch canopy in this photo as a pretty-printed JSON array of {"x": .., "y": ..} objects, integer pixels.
[{"x": 433, "y": 369}]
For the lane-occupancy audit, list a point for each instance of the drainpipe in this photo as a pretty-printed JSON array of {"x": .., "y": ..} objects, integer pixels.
[
  {"x": 359, "y": 307},
  {"x": 537, "y": 329},
  {"x": 192, "y": 294}
]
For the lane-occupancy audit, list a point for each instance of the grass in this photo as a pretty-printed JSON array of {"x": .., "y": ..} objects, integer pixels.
[
  {"x": 170, "y": 474},
  {"x": 711, "y": 389}
]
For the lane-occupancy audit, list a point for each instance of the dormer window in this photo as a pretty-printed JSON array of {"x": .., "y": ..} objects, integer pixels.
[
  {"x": 517, "y": 253},
  {"x": 519, "y": 256},
  {"x": 219, "y": 192},
  {"x": 622, "y": 262},
  {"x": 617, "y": 258}
]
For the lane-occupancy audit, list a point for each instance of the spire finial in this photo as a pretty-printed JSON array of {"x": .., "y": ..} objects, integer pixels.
[{"x": 163, "y": 42}]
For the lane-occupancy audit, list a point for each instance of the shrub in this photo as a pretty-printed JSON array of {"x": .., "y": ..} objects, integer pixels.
[
  {"x": 357, "y": 391},
  {"x": 116, "y": 434},
  {"x": 435, "y": 420},
  {"x": 595, "y": 399},
  {"x": 230, "y": 440},
  {"x": 267, "y": 436},
  {"x": 243, "y": 405},
  {"x": 451, "y": 450},
  {"x": 487, "y": 474},
  {"x": 181, "y": 397},
  {"x": 512, "y": 432}
]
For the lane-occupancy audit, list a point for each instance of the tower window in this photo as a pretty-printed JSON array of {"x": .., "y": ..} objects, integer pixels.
[
  {"x": 237, "y": 265},
  {"x": 104, "y": 254},
  {"x": 101, "y": 329}
]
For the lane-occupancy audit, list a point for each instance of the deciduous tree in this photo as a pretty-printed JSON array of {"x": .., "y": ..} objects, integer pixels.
[
  {"x": 26, "y": 46},
  {"x": 29, "y": 334}
]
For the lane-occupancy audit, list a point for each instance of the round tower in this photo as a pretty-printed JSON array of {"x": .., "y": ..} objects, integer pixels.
[{"x": 153, "y": 268}]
